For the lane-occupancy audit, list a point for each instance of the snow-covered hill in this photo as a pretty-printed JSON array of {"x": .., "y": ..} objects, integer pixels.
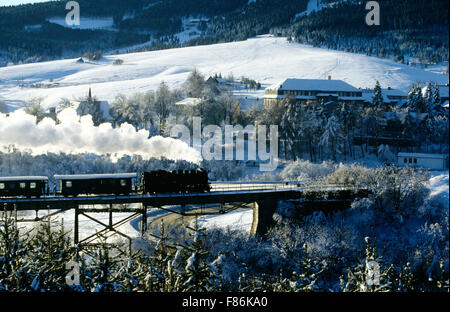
[{"x": 265, "y": 59}]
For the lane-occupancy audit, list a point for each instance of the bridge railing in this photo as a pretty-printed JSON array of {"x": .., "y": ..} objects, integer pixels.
[
  {"x": 252, "y": 186},
  {"x": 278, "y": 186}
]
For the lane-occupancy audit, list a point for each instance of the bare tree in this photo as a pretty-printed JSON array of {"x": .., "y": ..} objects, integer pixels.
[{"x": 163, "y": 105}]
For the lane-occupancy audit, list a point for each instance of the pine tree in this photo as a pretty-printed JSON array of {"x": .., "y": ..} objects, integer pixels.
[
  {"x": 377, "y": 98},
  {"x": 443, "y": 283},
  {"x": 405, "y": 281},
  {"x": 428, "y": 101},
  {"x": 52, "y": 250},
  {"x": 438, "y": 110},
  {"x": 333, "y": 137},
  {"x": 415, "y": 100},
  {"x": 102, "y": 274},
  {"x": 291, "y": 123},
  {"x": 306, "y": 278},
  {"x": 411, "y": 100},
  {"x": 419, "y": 100},
  {"x": 15, "y": 264},
  {"x": 197, "y": 269},
  {"x": 367, "y": 276}
]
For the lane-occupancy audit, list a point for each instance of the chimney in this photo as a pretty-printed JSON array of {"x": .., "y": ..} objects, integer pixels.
[{"x": 329, "y": 77}]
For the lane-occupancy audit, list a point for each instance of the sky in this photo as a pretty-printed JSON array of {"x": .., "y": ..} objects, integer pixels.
[{"x": 17, "y": 2}]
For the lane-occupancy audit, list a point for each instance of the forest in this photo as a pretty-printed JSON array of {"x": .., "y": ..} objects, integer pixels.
[{"x": 408, "y": 29}]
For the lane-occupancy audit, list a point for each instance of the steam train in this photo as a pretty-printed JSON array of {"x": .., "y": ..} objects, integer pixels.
[{"x": 152, "y": 182}]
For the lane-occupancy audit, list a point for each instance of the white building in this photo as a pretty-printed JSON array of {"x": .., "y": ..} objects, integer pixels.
[
  {"x": 313, "y": 89},
  {"x": 189, "y": 102},
  {"x": 423, "y": 160}
]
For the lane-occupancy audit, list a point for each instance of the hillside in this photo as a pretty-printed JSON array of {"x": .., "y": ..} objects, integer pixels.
[
  {"x": 266, "y": 59},
  {"x": 410, "y": 30}
]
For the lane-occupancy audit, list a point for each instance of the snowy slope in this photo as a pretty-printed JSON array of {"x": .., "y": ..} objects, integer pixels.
[
  {"x": 439, "y": 188},
  {"x": 265, "y": 59},
  {"x": 239, "y": 220},
  {"x": 313, "y": 6},
  {"x": 85, "y": 23}
]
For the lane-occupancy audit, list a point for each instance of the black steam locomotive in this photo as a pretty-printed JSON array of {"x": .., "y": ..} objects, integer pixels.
[
  {"x": 153, "y": 182},
  {"x": 187, "y": 181}
]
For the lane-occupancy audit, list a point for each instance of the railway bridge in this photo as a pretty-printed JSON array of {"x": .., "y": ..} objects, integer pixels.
[{"x": 263, "y": 196}]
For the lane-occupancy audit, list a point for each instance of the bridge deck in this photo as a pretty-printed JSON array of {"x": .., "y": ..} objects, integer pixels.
[{"x": 220, "y": 193}]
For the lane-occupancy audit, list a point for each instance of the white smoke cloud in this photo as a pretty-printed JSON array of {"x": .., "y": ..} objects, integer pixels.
[{"x": 76, "y": 135}]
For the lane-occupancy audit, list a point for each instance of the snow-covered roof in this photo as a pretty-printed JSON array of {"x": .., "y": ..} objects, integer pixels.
[
  {"x": 445, "y": 104},
  {"x": 37, "y": 178},
  {"x": 443, "y": 91},
  {"x": 104, "y": 106},
  {"x": 394, "y": 92},
  {"x": 423, "y": 155},
  {"x": 96, "y": 176},
  {"x": 314, "y": 85},
  {"x": 367, "y": 94},
  {"x": 189, "y": 102}
]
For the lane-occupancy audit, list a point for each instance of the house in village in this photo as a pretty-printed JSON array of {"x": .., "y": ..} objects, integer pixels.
[
  {"x": 302, "y": 90},
  {"x": 99, "y": 110},
  {"x": 391, "y": 97},
  {"x": 186, "y": 106},
  {"x": 423, "y": 160}
]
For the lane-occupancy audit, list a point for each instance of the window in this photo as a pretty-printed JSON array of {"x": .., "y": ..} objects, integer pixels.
[
  {"x": 2, "y": 186},
  {"x": 22, "y": 185},
  {"x": 415, "y": 161},
  {"x": 123, "y": 182},
  {"x": 410, "y": 160},
  {"x": 405, "y": 160},
  {"x": 32, "y": 185},
  {"x": 68, "y": 184}
]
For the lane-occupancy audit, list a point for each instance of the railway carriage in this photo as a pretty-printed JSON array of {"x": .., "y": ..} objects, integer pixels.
[
  {"x": 33, "y": 186},
  {"x": 87, "y": 184}
]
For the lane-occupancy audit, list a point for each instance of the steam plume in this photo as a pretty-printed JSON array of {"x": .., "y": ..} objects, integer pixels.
[{"x": 76, "y": 135}]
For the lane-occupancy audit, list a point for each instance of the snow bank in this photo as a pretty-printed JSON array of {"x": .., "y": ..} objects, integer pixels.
[
  {"x": 439, "y": 188},
  {"x": 239, "y": 220},
  {"x": 77, "y": 135}
]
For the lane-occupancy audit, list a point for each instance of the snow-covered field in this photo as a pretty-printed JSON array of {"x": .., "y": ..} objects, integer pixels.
[
  {"x": 266, "y": 59},
  {"x": 439, "y": 187},
  {"x": 238, "y": 220}
]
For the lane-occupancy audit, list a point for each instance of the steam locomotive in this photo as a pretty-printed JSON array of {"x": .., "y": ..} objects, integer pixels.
[{"x": 153, "y": 182}]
